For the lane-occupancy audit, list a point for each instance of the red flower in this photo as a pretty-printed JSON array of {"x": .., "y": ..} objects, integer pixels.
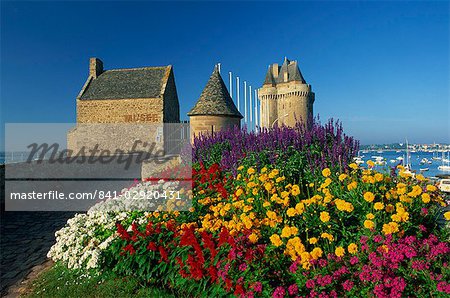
[
  {"x": 163, "y": 253},
  {"x": 152, "y": 246},
  {"x": 130, "y": 249},
  {"x": 122, "y": 232}
]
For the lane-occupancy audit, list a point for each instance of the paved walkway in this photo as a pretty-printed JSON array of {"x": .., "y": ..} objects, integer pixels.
[{"x": 25, "y": 240}]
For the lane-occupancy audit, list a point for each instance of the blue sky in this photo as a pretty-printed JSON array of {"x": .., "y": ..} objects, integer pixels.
[{"x": 380, "y": 67}]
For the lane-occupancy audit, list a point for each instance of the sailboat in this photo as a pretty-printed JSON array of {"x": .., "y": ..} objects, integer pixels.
[
  {"x": 407, "y": 165},
  {"x": 445, "y": 167}
]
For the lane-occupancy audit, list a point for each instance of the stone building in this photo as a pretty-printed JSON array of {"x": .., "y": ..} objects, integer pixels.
[
  {"x": 119, "y": 106},
  {"x": 214, "y": 110},
  {"x": 285, "y": 97},
  {"x": 134, "y": 95}
]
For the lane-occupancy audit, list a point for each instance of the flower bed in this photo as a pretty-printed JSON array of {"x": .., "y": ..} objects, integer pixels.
[{"x": 261, "y": 226}]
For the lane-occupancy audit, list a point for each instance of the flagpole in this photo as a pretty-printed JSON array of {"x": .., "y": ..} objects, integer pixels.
[
  {"x": 256, "y": 110},
  {"x": 237, "y": 93},
  {"x": 231, "y": 84},
  {"x": 250, "y": 108},
  {"x": 245, "y": 102}
]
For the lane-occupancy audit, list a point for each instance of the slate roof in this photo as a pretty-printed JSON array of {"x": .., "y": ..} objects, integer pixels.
[
  {"x": 269, "y": 77},
  {"x": 215, "y": 99},
  {"x": 292, "y": 70},
  {"x": 144, "y": 82}
]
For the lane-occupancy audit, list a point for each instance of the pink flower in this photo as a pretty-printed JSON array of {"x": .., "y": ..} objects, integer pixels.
[
  {"x": 293, "y": 268},
  {"x": 443, "y": 287},
  {"x": 310, "y": 284},
  {"x": 279, "y": 292},
  {"x": 257, "y": 287},
  {"x": 377, "y": 238},
  {"x": 293, "y": 289},
  {"x": 354, "y": 260},
  {"x": 323, "y": 263},
  {"x": 243, "y": 267},
  {"x": 348, "y": 285}
]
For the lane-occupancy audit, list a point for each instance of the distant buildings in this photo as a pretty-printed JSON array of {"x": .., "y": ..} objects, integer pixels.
[{"x": 149, "y": 95}]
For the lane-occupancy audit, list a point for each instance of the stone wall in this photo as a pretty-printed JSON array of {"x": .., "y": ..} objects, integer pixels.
[
  {"x": 112, "y": 137},
  {"x": 286, "y": 103},
  {"x": 206, "y": 124},
  {"x": 138, "y": 110}
]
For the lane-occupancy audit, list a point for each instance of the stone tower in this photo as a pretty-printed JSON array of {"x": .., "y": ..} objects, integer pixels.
[
  {"x": 285, "y": 96},
  {"x": 214, "y": 110}
]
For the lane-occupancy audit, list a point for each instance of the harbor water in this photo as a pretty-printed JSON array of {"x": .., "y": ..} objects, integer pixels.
[{"x": 392, "y": 158}]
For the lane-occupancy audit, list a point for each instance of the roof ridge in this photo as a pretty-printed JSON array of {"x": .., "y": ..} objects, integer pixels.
[{"x": 138, "y": 68}]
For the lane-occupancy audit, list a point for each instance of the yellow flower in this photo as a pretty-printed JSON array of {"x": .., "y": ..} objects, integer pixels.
[
  {"x": 447, "y": 215},
  {"x": 251, "y": 171},
  {"x": 284, "y": 194},
  {"x": 271, "y": 215},
  {"x": 342, "y": 177},
  {"x": 368, "y": 224},
  {"x": 239, "y": 192},
  {"x": 279, "y": 179},
  {"x": 425, "y": 198},
  {"x": 286, "y": 232},
  {"x": 378, "y": 206},
  {"x": 313, "y": 240},
  {"x": 266, "y": 204},
  {"x": 370, "y": 216},
  {"x": 390, "y": 228},
  {"x": 370, "y": 163},
  {"x": 352, "y": 248},
  {"x": 431, "y": 187},
  {"x": 379, "y": 177},
  {"x": 294, "y": 230},
  {"x": 291, "y": 212},
  {"x": 263, "y": 170},
  {"x": 352, "y": 185},
  {"x": 276, "y": 240},
  {"x": 340, "y": 251},
  {"x": 316, "y": 253},
  {"x": 420, "y": 177},
  {"x": 353, "y": 166},
  {"x": 327, "y": 236},
  {"x": 240, "y": 168},
  {"x": 369, "y": 197},
  {"x": 300, "y": 207},
  {"x": 326, "y": 172},
  {"x": 253, "y": 238},
  {"x": 295, "y": 190},
  {"x": 268, "y": 186},
  {"x": 324, "y": 216}
]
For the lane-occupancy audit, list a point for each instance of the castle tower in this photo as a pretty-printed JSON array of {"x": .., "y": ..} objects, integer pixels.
[
  {"x": 285, "y": 96},
  {"x": 214, "y": 110}
]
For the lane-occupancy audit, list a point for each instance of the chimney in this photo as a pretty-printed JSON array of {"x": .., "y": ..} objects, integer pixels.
[
  {"x": 95, "y": 67},
  {"x": 275, "y": 70}
]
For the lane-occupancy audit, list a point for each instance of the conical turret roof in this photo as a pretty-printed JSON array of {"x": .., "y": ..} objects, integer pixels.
[
  {"x": 292, "y": 70},
  {"x": 215, "y": 99}
]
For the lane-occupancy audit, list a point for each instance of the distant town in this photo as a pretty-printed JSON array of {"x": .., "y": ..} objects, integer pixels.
[{"x": 413, "y": 147}]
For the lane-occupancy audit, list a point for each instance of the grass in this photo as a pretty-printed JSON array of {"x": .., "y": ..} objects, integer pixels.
[{"x": 59, "y": 281}]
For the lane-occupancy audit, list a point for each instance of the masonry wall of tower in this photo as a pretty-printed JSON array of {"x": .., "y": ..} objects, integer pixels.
[{"x": 207, "y": 124}]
